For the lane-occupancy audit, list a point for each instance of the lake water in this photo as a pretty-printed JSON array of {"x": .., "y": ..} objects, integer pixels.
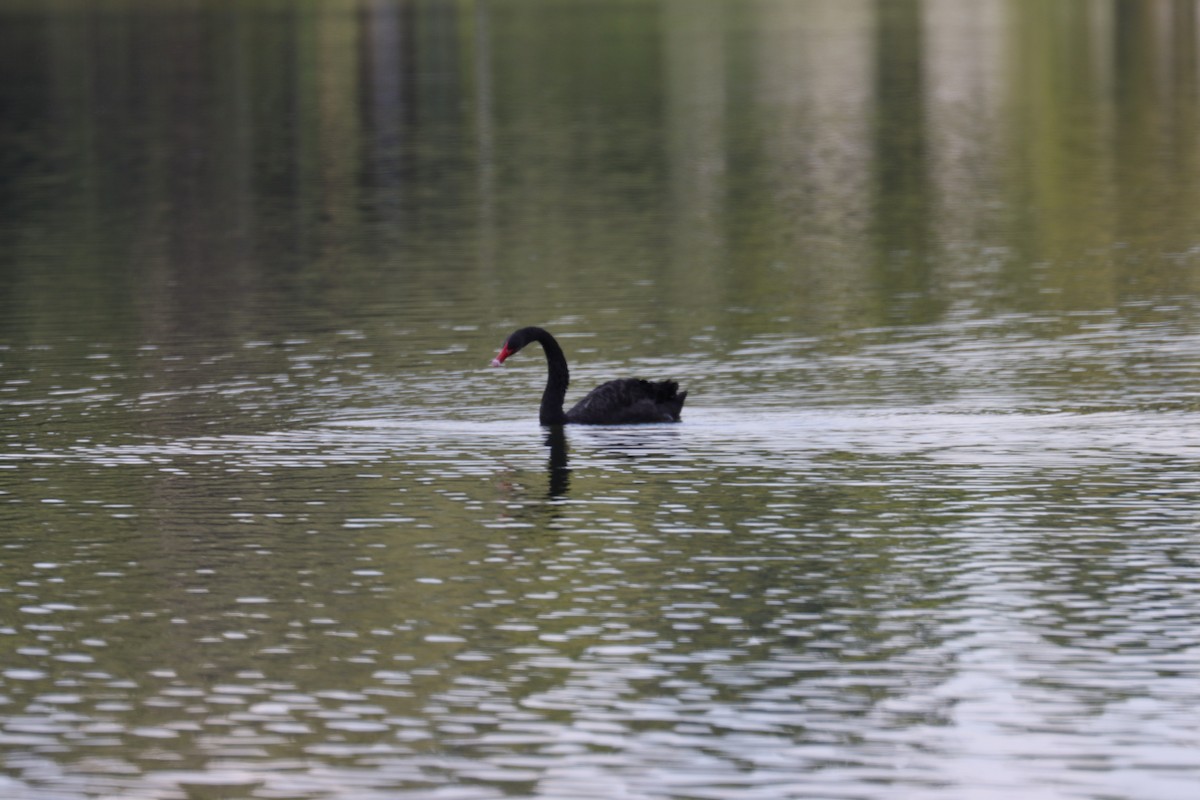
[{"x": 270, "y": 527}]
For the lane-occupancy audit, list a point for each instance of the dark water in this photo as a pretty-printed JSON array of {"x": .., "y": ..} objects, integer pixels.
[{"x": 271, "y": 528}]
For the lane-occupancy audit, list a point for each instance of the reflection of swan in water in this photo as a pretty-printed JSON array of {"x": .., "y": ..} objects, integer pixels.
[
  {"x": 659, "y": 444},
  {"x": 560, "y": 473}
]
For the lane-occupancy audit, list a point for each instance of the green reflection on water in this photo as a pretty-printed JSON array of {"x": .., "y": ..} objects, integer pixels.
[{"x": 750, "y": 167}]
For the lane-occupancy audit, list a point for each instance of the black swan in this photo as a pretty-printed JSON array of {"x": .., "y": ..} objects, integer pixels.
[{"x": 622, "y": 402}]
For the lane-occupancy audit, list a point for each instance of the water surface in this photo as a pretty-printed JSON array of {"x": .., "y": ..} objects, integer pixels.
[{"x": 270, "y": 527}]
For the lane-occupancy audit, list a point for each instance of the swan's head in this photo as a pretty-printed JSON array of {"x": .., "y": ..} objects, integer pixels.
[{"x": 513, "y": 344}]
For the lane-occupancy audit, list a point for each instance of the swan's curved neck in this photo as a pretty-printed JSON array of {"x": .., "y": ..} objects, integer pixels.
[{"x": 551, "y": 412}]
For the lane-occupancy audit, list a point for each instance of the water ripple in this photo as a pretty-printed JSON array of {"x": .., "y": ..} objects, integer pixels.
[{"x": 762, "y": 601}]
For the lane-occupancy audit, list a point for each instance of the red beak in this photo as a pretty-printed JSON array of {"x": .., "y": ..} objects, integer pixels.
[{"x": 503, "y": 354}]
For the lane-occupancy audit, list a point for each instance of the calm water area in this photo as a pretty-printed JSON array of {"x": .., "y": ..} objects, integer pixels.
[{"x": 271, "y": 527}]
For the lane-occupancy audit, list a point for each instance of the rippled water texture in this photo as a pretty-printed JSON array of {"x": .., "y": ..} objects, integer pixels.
[{"x": 270, "y": 527}]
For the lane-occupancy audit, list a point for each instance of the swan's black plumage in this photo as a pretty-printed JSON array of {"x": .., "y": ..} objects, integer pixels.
[{"x": 628, "y": 401}]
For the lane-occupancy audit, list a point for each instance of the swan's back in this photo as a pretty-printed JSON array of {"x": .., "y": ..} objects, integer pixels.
[{"x": 628, "y": 402}]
